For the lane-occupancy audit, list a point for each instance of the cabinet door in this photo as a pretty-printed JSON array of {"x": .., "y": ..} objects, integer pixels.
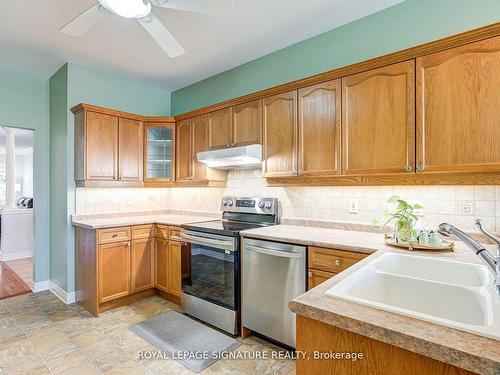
[
  {"x": 219, "y": 129},
  {"x": 378, "y": 120},
  {"x": 280, "y": 135},
  {"x": 247, "y": 123},
  {"x": 184, "y": 150},
  {"x": 159, "y": 153},
  {"x": 458, "y": 109},
  {"x": 101, "y": 146},
  {"x": 174, "y": 250},
  {"x": 130, "y": 149},
  {"x": 317, "y": 277},
  {"x": 200, "y": 143},
  {"x": 162, "y": 271},
  {"x": 114, "y": 271},
  {"x": 142, "y": 262},
  {"x": 319, "y": 129}
]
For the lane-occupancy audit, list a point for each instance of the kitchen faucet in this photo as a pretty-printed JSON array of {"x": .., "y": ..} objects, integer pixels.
[{"x": 492, "y": 262}]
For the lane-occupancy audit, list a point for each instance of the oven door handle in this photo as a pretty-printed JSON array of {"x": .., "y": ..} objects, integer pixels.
[
  {"x": 278, "y": 253},
  {"x": 226, "y": 245}
]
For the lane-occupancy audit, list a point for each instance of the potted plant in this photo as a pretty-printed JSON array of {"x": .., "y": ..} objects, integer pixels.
[{"x": 403, "y": 219}]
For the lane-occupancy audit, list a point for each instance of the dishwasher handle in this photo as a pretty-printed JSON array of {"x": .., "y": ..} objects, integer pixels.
[{"x": 278, "y": 253}]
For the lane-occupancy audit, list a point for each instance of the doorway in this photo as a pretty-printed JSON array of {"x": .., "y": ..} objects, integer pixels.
[{"x": 16, "y": 211}]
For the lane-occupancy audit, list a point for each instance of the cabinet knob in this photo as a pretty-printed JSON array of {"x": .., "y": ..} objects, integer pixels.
[
  {"x": 408, "y": 168},
  {"x": 420, "y": 167},
  {"x": 337, "y": 262},
  {"x": 309, "y": 274}
]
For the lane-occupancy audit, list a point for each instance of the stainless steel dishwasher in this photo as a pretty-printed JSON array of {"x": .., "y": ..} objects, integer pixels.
[{"x": 273, "y": 273}]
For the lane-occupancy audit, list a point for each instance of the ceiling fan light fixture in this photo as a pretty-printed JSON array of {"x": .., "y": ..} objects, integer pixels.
[{"x": 128, "y": 8}]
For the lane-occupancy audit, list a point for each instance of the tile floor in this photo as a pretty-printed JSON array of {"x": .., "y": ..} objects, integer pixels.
[{"x": 39, "y": 334}]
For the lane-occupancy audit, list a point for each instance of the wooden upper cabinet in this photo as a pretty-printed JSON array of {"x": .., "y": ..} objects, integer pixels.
[
  {"x": 130, "y": 149},
  {"x": 247, "y": 123},
  {"x": 101, "y": 147},
  {"x": 159, "y": 154},
  {"x": 319, "y": 129},
  {"x": 458, "y": 109},
  {"x": 220, "y": 129},
  {"x": 184, "y": 150},
  {"x": 279, "y": 114},
  {"x": 378, "y": 120},
  {"x": 200, "y": 143}
]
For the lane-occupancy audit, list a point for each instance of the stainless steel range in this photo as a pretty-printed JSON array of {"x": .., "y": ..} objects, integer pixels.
[{"x": 211, "y": 260}]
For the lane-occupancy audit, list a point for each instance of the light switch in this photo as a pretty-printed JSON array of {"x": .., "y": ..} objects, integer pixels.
[{"x": 353, "y": 206}]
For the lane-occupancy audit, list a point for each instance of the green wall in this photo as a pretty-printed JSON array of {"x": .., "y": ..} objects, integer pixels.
[
  {"x": 72, "y": 85},
  {"x": 24, "y": 100},
  {"x": 407, "y": 24},
  {"x": 58, "y": 86}
]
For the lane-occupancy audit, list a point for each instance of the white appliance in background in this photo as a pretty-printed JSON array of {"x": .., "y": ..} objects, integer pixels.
[
  {"x": 273, "y": 274},
  {"x": 17, "y": 234}
]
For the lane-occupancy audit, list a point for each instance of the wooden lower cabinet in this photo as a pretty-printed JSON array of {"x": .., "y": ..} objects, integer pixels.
[
  {"x": 114, "y": 270},
  {"x": 174, "y": 249},
  {"x": 142, "y": 264},
  {"x": 117, "y": 266},
  {"x": 162, "y": 266},
  {"x": 316, "y": 277},
  {"x": 378, "y": 357},
  {"x": 324, "y": 263}
]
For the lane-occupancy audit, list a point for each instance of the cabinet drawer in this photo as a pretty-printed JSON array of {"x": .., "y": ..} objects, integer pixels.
[
  {"x": 174, "y": 233},
  {"x": 114, "y": 235},
  {"x": 142, "y": 231},
  {"x": 162, "y": 231},
  {"x": 332, "y": 260}
]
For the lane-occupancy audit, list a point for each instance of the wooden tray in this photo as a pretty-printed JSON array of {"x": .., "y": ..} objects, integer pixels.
[{"x": 447, "y": 245}]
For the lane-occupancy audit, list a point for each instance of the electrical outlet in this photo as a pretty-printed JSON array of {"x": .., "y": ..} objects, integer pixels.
[
  {"x": 464, "y": 207},
  {"x": 353, "y": 206}
]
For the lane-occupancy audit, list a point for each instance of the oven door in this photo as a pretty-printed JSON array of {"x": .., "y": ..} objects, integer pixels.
[{"x": 210, "y": 268}]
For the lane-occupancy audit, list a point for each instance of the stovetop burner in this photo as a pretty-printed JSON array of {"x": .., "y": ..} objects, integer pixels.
[
  {"x": 231, "y": 228},
  {"x": 240, "y": 214}
]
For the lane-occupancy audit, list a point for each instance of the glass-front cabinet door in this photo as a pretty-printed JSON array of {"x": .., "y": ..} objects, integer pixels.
[{"x": 159, "y": 152}]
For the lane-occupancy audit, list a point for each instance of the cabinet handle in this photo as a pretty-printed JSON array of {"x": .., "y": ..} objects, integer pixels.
[
  {"x": 337, "y": 262},
  {"x": 115, "y": 235},
  {"x": 408, "y": 168}
]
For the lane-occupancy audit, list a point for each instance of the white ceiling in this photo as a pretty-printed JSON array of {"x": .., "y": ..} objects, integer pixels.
[{"x": 30, "y": 41}]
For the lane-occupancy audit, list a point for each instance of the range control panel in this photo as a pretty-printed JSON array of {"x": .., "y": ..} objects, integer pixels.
[{"x": 250, "y": 205}]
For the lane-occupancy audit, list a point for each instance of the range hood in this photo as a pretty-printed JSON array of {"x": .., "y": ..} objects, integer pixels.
[{"x": 244, "y": 157}]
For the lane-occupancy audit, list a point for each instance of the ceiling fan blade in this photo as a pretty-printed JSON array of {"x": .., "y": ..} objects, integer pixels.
[
  {"x": 212, "y": 7},
  {"x": 81, "y": 24},
  {"x": 161, "y": 35}
]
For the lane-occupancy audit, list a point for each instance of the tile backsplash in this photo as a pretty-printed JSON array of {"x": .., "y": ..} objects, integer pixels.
[{"x": 458, "y": 205}]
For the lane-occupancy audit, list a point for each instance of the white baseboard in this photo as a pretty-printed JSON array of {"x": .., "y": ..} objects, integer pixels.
[
  {"x": 60, "y": 293},
  {"x": 40, "y": 286},
  {"x": 14, "y": 256}
]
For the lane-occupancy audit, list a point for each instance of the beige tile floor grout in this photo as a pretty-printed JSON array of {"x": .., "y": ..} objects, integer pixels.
[
  {"x": 21, "y": 328},
  {"x": 40, "y": 334}
]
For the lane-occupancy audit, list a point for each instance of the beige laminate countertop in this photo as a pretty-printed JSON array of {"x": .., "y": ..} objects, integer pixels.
[
  {"x": 125, "y": 221},
  {"x": 458, "y": 348}
]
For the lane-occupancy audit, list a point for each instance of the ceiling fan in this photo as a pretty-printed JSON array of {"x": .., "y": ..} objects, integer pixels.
[{"x": 141, "y": 11}]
